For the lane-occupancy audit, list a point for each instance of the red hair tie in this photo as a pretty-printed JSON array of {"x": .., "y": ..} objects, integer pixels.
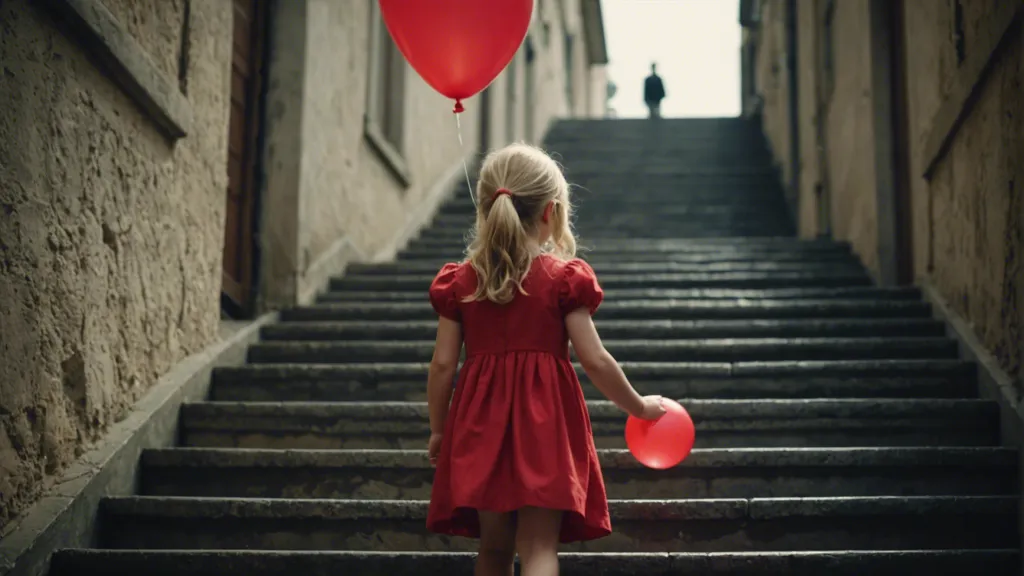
[{"x": 502, "y": 192}]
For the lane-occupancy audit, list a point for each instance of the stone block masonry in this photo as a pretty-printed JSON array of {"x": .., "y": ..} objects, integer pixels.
[{"x": 111, "y": 234}]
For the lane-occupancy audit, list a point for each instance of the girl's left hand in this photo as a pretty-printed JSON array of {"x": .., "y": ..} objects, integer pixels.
[{"x": 434, "y": 448}]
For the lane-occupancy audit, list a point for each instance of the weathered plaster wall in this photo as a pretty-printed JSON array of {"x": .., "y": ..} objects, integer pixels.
[
  {"x": 347, "y": 191},
  {"x": 598, "y": 97},
  {"x": 152, "y": 24},
  {"x": 110, "y": 238},
  {"x": 969, "y": 218},
  {"x": 850, "y": 135},
  {"x": 329, "y": 195},
  {"x": 845, "y": 112},
  {"x": 926, "y": 86},
  {"x": 807, "y": 83},
  {"x": 773, "y": 83},
  {"x": 549, "y": 41}
]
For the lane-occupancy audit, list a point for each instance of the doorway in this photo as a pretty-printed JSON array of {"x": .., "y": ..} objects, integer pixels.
[{"x": 249, "y": 33}]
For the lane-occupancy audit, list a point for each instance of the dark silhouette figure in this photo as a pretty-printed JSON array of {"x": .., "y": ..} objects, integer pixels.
[{"x": 654, "y": 92}]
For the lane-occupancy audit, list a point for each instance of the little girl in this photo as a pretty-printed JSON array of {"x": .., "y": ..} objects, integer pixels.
[{"x": 515, "y": 457}]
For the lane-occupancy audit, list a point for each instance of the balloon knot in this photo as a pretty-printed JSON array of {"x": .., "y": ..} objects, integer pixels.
[{"x": 458, "y": 107}]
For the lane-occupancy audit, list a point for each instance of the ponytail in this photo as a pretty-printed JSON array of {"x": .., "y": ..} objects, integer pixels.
[
  {"x": 516, "y": 185},
  {"x": 503, "y": 257}
]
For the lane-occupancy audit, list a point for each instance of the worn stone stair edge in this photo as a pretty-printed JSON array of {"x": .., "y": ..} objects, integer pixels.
[
  {"x": 726, "y": 280},
  {"x": 342, "y": 351},
  {"x": 779, "y": 294},
  {"x": 663, "y": 342},
  {"x": 648, "y": 323},
  {"x": 703, "y": 245},
  {"x": 668, "y": 304},
  {"x": 649, "y": 510},
  {"x": 699, "y": 408},
  {"x": 846, "y": 273},
  {"x": 414, "y": 267},
  {"x": 681, "y": 344},
  {"x": 441, "y": 242},
  {"x": 720, "y": 329},
  {"x": 834, "y": 368},
  {"x": 995, "y": 458},
  {"x": 997, "y": 562}
]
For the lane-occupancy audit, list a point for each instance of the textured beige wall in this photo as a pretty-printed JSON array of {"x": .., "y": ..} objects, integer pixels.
[
  {"x": 598, "y": 97},
  {"x": 334, "y": 198},
  {"x": 969, "y": 219},
  {"x": 773, "y": 83},
  {"x": 846, "y": 115},
  {"x": 110, "y": 236},
  {"x": 851, "y": 174},
  {"x": 807, "y": 83},
  {"x": 347, "y": 190}
]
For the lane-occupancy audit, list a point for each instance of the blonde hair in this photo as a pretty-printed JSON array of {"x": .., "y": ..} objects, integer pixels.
[{"x": 500, "y": 250}]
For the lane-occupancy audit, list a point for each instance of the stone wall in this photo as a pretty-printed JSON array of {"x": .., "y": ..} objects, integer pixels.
[
  {"x": 849, "y": 134},
  {"x": 969, "y": 216},
  {"x": 111, "y": 234},
  {"x": 966, "y": 217}
]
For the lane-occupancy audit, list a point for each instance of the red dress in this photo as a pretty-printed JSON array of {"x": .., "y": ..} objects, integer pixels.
[{"x": 518, "y": 431}]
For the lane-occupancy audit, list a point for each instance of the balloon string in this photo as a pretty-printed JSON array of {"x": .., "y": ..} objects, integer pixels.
[{"x": 465, "y": 168}]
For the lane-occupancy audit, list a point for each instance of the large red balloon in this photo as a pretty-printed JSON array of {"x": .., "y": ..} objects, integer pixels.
[
  {"x": 661, "y": 443},
  {"x": 458, "y": 46}
]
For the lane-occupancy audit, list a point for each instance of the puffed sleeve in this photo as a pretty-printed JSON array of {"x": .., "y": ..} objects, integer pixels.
[
  {"x": 579, "y": 288},
  {"x": 442, "y": 293}
]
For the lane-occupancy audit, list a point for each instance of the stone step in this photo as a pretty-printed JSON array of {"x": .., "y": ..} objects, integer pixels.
[
  {"x": 328, "y": 563},
  {"x": 820, "y": 379},
  {"x": 707, "y": 202},
  {"x": 629, "y": 329},
  {"x": 457, "y": 252},
  {"x": 630, "y": 226},
  {"x": 764, "y": 423},
  {"x": 642, "y": 310},
  {"x": 745, "y": 280},
  {"x": 740, "y": 218},
  {"x": 840, "y": 293},
  {"x": 591, "y": 212},
  {"x": 717, "y": 244},
  {"x": 718, "y": 350},
  {"x": 683, "y": 169},
  {"x": 417, "y": 267},
  {"x": 441, "y": 242},
  {"x": 625, "y": 230},
  {"x": 644, "y": 178},
  {"x": 714, "y": 473},
  {"x": 699, "y": 525}
]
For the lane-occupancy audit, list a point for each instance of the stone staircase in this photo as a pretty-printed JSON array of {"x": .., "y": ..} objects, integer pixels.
[{"x": 838, "y": 432}]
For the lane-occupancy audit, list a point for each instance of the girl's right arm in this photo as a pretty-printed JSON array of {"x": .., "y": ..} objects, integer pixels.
[
  {"x": 604, "y": 371},
  {"x": 447, "y": 349}
]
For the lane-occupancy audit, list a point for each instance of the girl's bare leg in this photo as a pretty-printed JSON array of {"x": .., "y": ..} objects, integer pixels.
[
  {"x": 537, "y": 533},
  {"x": 497, "y": 544}
]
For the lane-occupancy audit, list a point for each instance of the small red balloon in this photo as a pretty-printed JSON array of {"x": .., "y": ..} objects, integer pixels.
[
  {"x": 457, "y": 46},
  {"x": 661, "y": 443}
]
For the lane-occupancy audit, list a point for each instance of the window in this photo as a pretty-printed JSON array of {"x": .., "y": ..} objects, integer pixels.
[{"x": 385, "y": 106}]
